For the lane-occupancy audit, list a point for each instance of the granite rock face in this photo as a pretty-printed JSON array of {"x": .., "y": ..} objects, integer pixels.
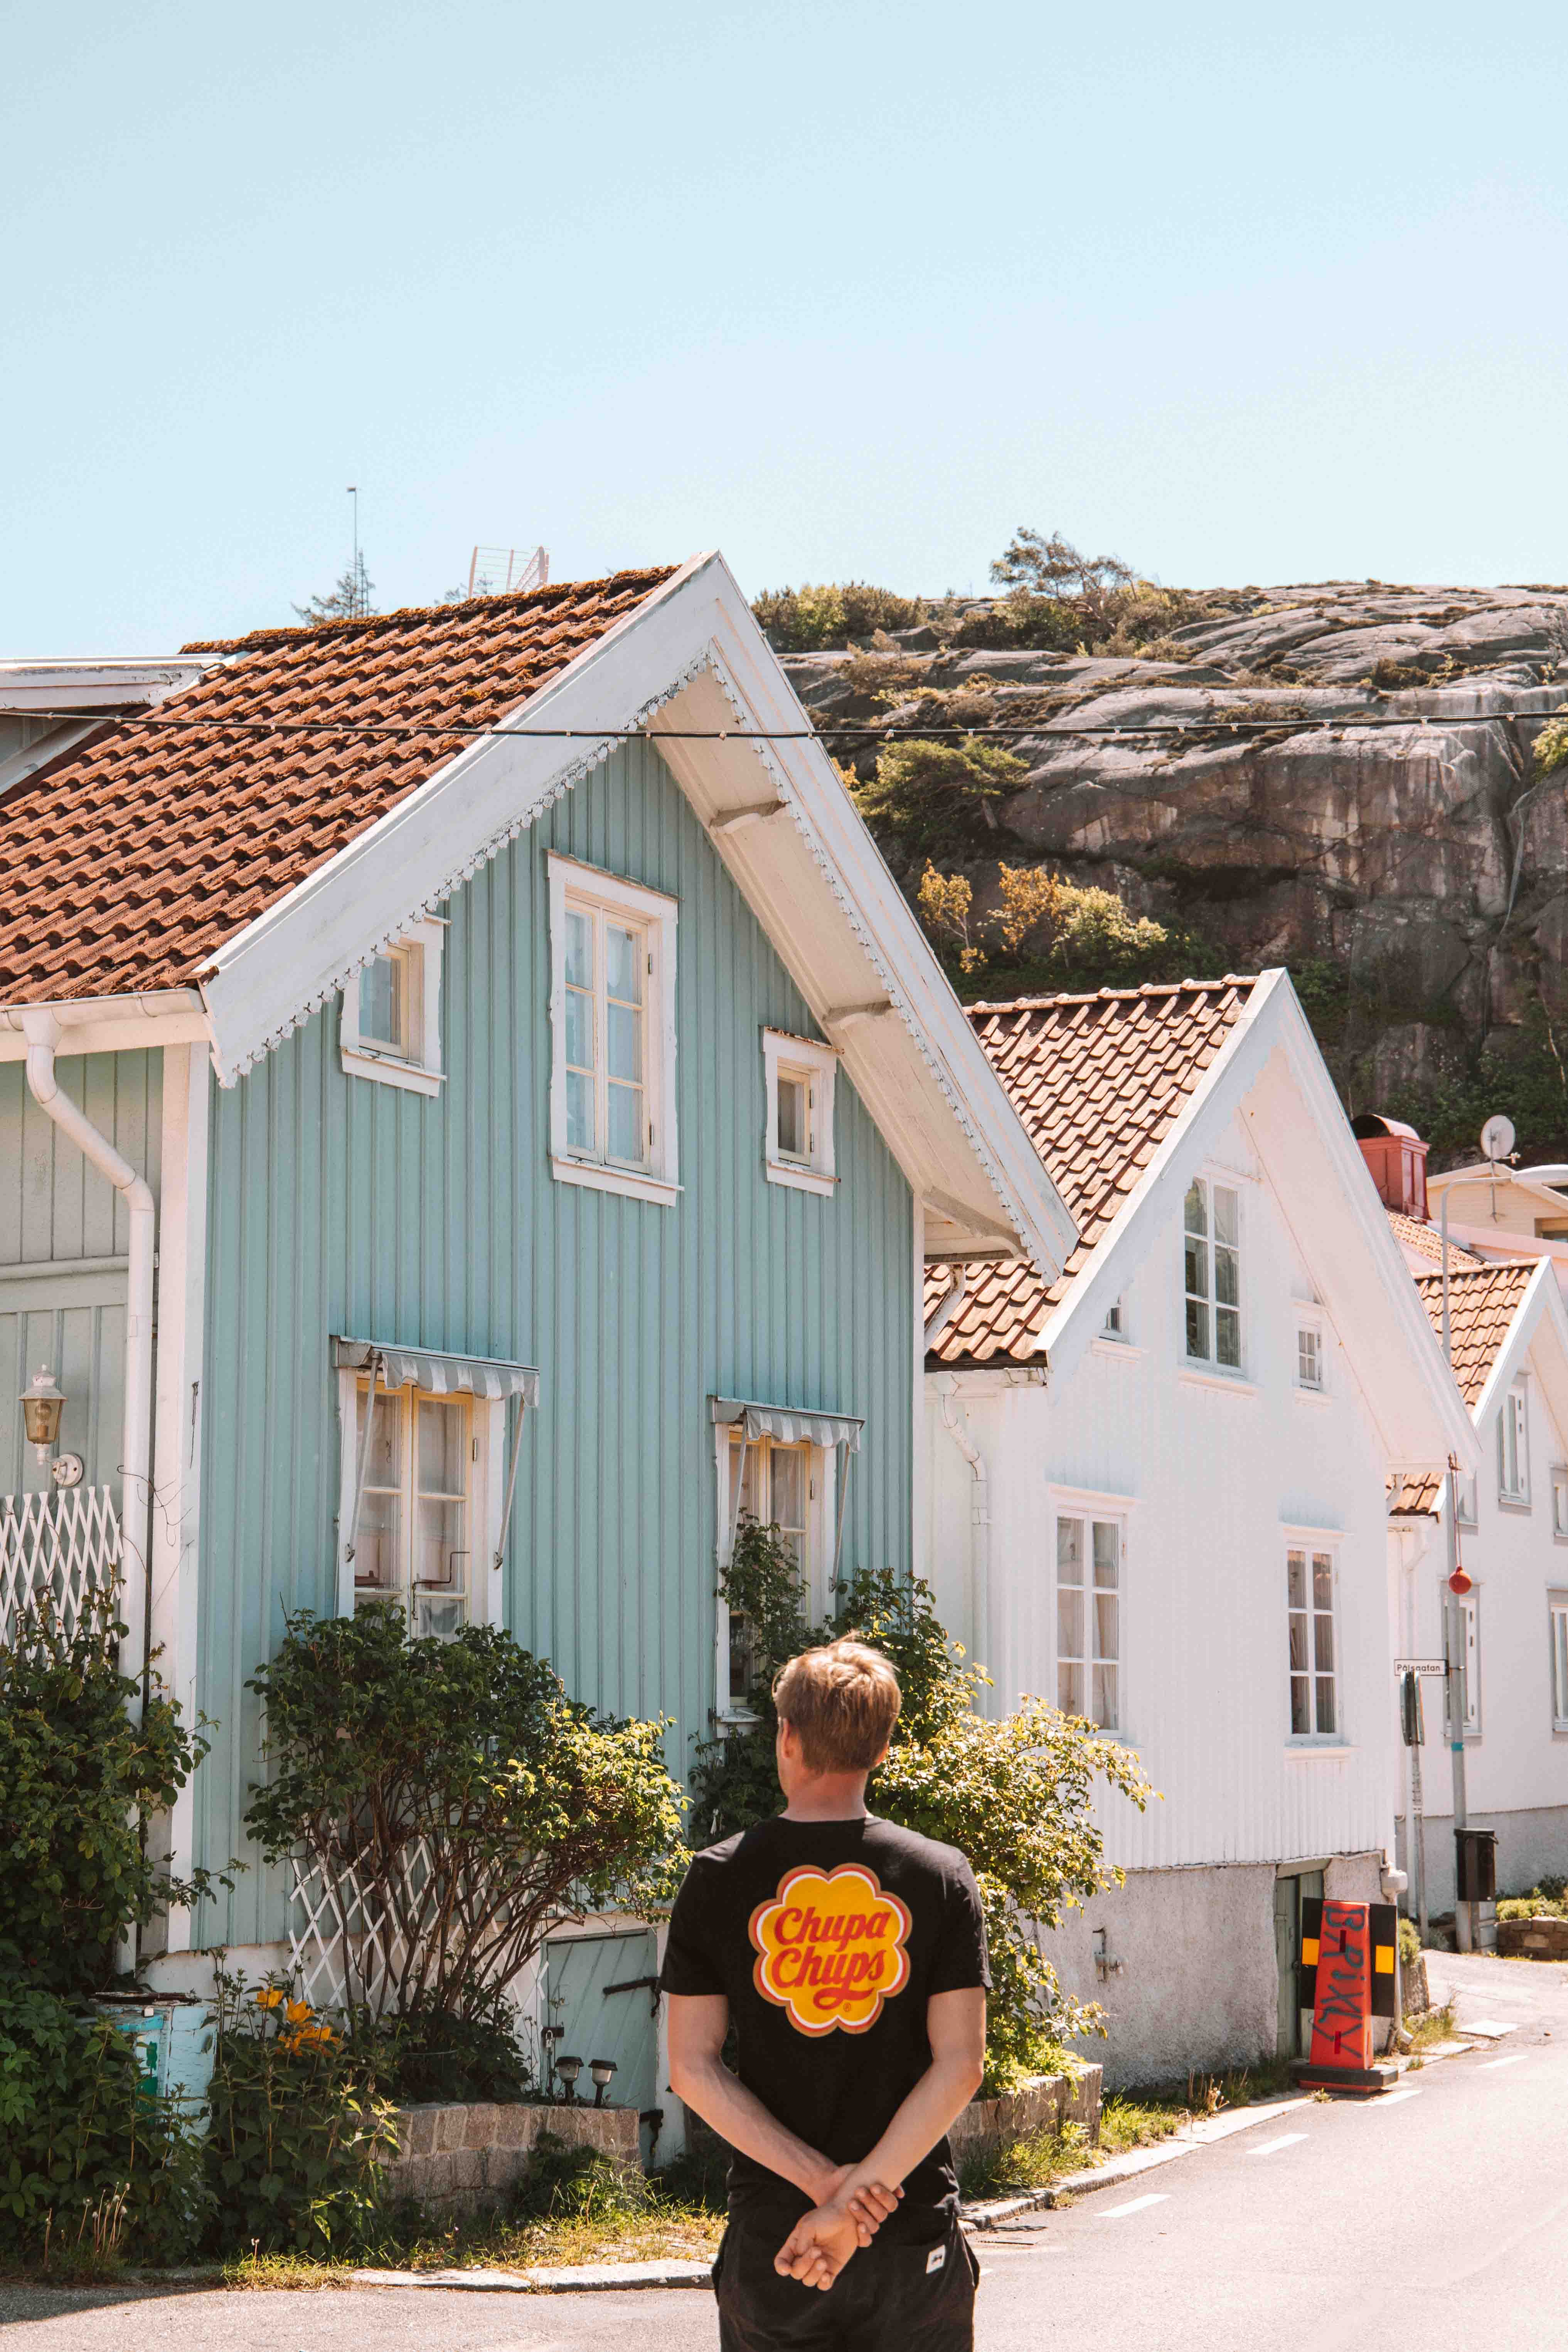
[{"x": 1341, "y": 772}]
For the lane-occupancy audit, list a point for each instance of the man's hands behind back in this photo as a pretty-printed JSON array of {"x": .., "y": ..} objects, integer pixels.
[{"x": 823, "y": 2240}]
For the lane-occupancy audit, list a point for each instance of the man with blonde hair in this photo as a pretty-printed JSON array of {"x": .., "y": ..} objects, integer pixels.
[{"x": 849, "y": 1956}]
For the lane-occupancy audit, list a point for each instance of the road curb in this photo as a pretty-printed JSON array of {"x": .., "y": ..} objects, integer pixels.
[{"x": 585, "y": 2278}]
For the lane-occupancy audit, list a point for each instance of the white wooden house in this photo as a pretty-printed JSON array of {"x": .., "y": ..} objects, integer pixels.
[
  {"x": 1509, "y": 1331},
  {"x": 1162, "y": 1497}
]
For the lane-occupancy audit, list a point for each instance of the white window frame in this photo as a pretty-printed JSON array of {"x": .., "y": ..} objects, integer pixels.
[
  {"x": 816, "y": 1068},
  {"x": 1465, "y": 1490},
  {"x": 1469, "y": 1608},
  {"x": 419, "y": 1070},
  {"x": 572, "y": 883},
  {"x": 821, "y": 1525},
  {"x": 1314, "y": 1549},
  {"x": 486, "y": 1494},
  {"x": 1513, "y": 1439},
  {"x": 1557, "y": 1656},
  {"x": 1560, "y": 1502},
  {"x": 1312, "y": 1328},
  {"x": 1089, "y": 1515},
  {"x": 1217, "y": 1181}
]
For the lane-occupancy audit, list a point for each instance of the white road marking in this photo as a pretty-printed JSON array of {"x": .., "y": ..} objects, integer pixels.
[
  {"x": 1493, "y": 2063},
  {"x": 1286, "y": 2140},
  {"x": 1137, "y": 2205},
  {"x": 1392, "y": 2099}
]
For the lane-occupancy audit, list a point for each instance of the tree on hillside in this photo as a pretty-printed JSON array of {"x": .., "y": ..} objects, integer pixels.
[{"x": 1053, "y": 568}]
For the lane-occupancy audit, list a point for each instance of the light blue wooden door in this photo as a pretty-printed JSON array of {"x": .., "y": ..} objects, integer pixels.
[{"x": 600, "y": 1990}]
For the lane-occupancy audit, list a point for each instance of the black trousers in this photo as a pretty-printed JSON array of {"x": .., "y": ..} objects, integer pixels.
[{"x": 910, "y": 2294}]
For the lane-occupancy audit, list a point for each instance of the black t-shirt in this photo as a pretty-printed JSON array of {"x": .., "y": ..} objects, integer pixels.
[{"x": 828, "y": 1938}]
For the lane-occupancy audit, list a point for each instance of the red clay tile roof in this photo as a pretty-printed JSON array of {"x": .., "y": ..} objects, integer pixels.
[
  {"x": 1483, "y": 1300},
  {"x": 1099, "y": 1081},
  {"x": 128, "y": 861},
  {"x": 1428, "y": 1241}
]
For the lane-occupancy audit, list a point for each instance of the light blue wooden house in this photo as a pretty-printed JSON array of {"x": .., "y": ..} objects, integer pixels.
[{"x": 500, "y": 1012}]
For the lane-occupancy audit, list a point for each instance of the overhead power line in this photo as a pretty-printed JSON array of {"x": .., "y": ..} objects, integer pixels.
[{"x": 1198, "y": 724}]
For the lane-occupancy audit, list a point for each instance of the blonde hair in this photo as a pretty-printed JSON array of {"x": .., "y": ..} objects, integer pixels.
[{"x": 843, "y": 1701}]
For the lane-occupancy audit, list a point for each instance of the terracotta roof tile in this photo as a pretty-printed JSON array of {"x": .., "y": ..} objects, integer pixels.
[
  {"x": 125, "y": 863},
  {"x": 1099, "y": 1081},
  {"x": 1483, "y": 1299},
  {"x": 1428, "y": 1241}
]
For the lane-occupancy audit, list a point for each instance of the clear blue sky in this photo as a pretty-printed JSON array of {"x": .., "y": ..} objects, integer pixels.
[{"x": 849, "y": 290}]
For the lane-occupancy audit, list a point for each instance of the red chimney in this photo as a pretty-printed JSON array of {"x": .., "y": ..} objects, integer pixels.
[{"x": 1397, "y": 1159}]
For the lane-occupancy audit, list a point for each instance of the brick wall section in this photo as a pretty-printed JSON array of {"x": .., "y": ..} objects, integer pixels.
[{"x": 475, "y": 2154}]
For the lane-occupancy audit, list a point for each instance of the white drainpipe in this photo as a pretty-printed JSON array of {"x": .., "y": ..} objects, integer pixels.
[
  {"x": 958, "y": 1428},
  {"x": 43, "y": 1034}
]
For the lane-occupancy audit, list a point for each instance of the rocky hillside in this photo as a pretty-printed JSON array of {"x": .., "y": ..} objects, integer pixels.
[{"x": 1341, "y": 776}]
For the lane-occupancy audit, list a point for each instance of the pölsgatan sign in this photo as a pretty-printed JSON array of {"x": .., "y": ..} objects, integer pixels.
[{"x": 1420, "y": 1666}]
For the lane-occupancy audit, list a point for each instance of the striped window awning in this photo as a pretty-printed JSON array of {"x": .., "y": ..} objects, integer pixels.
[
  {"x": 440, "y": 1375},
  {"x": 788, "y": 1423}
]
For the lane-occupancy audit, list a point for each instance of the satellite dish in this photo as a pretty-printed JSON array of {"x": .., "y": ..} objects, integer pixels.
[{"x": 1497, "y": 1137}]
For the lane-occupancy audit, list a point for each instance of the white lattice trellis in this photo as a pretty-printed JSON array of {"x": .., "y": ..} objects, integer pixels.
[
  {"x": 58, "y": 1546},
  {"x": 318, "y": 1933}
]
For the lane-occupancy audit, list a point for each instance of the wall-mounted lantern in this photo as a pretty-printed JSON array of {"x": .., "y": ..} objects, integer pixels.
[{"x": 42, "y": 1405}]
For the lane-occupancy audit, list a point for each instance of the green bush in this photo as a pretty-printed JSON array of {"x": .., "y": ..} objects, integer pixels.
[
  {"x": 576, "y": 2184},
  {"x": 809, "y": 619},
  {"x": 77, "y": 1774},
  {"x": 299, "y": 2118},
  {"x": 1016, "y": 1796},
  {"x": 452, "y": 1792},
  {"x": 928, "y": 796},
  {"x": 90, "y": 2163},
  {"x": 1409, "y": 1944}
]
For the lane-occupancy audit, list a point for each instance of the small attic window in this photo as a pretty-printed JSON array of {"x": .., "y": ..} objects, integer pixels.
[
  {"x": 798, "y": 1076},
  {"x": 391, "y": 1027}
]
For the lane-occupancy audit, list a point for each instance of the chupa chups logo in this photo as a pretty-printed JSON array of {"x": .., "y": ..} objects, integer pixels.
[{"x": 831, "y": 1949}]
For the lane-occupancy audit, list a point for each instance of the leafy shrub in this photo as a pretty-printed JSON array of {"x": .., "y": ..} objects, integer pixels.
[
  {"x": 1024, "y": 622},
  {"x": 441, "y": 2054},
  {"x": 89, "y": 2161},
  {"x": 76, "y": 1773},
  {"x": 1051, "y": 933},
  {"x": 1016, "y": 1796},
  {"x": 576, "y": 2184},
  {"x": 807, "y": 619},
  {"x": 1409, "y": 1944},
  {"x": 1543, "y": 1902},
  {"x": 298, "y": 2121},
  {"x": 451, "y": 1792},
  {"x": 927, "y": 795}
]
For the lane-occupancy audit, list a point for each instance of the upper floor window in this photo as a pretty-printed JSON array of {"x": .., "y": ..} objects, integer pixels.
[
  {"x": 1514, "y": 1447},
  {"x": 1115, "y": 1326},
  {"x": 1310, "y": 1355},
  {"x": 391, "y": 1022},
  {"x": 1465, "y": 1492},
  {"x": 1212, "y": 1274},
  {"x": 1313, "y": 1646},
  {"x": 1560, "y": 1503},
  {"x": 799, "y": 1076},
  {"x": 1089, "y": 1619},
  {"x": 612, "y": 1093}
]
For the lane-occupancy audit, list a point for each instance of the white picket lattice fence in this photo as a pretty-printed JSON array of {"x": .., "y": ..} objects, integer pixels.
[
  {"x": 322, "y": 1941},
  {"x": 58, "y": 1546}
]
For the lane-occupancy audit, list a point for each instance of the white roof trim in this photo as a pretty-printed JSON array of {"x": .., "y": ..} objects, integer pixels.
[
  {"x": 695, "y": 634},
  {"x": 114, "y": 1024}
]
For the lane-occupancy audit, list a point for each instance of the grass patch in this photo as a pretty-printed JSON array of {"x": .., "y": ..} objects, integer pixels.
[
  {"x": 1127, "y": 2120},
  {"x": 1432, "y": 2026}
]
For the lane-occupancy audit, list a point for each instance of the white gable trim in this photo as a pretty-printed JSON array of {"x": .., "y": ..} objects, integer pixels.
[{"x": 1274, "y": 1023}]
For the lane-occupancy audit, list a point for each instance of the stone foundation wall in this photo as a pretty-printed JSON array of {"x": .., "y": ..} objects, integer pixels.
[
  {"x": 1533, "y": 1939},
  {"x": 474, "y": 2155},
  {"x": 1044, "y": 2105}
]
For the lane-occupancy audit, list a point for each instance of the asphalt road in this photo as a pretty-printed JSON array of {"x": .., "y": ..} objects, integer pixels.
[{"x": 1437, "y": 2219}]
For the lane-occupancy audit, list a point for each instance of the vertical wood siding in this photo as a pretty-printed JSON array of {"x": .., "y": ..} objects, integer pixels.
[
  {"x": 56, "y": 1211},
  {"x": 341, "y": 1205}
]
